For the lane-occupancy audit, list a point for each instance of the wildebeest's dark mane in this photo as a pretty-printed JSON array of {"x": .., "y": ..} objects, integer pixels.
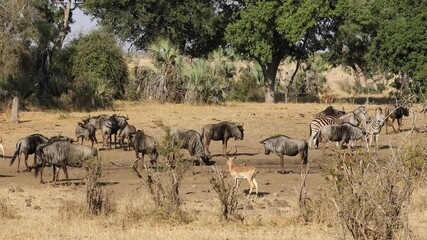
[
  {"x": 232, "y": 123},
  {"x": 275, "y": 136}
]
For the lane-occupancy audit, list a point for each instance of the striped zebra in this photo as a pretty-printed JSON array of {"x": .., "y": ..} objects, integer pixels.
[
  {"x": 355, "y": 117},
  {"x": 374, "y": 127}
]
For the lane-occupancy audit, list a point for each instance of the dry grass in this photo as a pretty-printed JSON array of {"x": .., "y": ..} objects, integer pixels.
[{"x": 54, "y": 210}]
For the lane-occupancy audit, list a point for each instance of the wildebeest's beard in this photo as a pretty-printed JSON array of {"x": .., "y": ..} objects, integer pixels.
[
  {"x": 267, "y": 150},
  {"x": 405, "y": 111},
  {"x": 239, "y": 133}
]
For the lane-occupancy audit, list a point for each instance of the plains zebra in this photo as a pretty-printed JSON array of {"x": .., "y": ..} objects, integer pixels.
[
  {"x": 374, "y": 128},
  {"x": 355, "y": 118}
]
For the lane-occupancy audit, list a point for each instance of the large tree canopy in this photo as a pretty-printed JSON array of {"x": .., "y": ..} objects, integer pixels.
[
  {"x": 269, "y": 31},
  {"x": 196, "y": 27},
  {"x": 400, "y": 47}
]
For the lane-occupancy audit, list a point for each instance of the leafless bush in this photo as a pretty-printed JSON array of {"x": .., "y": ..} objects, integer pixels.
[
  {"x": 227, "y": 195},
  {"x": 164, "y": 179},
  {"x": 97, "y": 202},
  {"x": 372, "y": 197}
]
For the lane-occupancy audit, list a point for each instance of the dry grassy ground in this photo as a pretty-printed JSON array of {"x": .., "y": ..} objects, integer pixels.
[{"x": 39, "y": 209}]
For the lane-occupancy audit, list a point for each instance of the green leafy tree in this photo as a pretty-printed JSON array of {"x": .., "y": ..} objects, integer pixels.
[
  {"x": 98, "y": 56},
  {"x": 16, "y": 36},
  {"x": 193, "y": 26},
  {"x": 354, "y": 27},
  {"x": 269, "y": 31},
  {"x": 400, "y": 46}
]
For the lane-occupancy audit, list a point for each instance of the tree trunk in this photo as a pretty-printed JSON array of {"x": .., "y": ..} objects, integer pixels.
[
  {"x": 270, "y": 70},
  {"x": 360, "y": 76},
  {"x": 64, "y": 30},
  {"x": 15, "y": 110}
]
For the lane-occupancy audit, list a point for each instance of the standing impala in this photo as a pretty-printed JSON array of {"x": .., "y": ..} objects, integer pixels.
[{"x": 242, "y": 172}]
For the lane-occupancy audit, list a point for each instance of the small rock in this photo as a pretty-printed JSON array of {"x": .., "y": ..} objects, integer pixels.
[
  {"x": 11, "y": 189},
  {"x": 240, "y": 207},
  {"x": 28, "y": 204},
  {"x": 37, "y": 208},
  {"x": 18, "y": 189},
  {"x": 275, "y": 194},
  {"x": 194, "y": 186},
  {"x": 249, "y": 207}
]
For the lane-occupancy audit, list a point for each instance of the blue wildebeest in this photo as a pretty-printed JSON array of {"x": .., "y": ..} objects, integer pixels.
[
  {"x": 60, "y": 154},
  {"x": 86, "y": 131},
  {"x": 190, "y": 140},
  {"x": 356, "y": 117},
  {"x": 330, "y": 111},
  {"x": 96, "y": 121},
  {"x": 341, "y": 133},
  {"x": 375, "y": 126},
  {"x": 28, "y": 146},
  {"x": 115, "y": 124},
  {"x": 126, "y": 134},
  {"x": 283, "y": 145},
  {"x": 395, "y": 112},
  {"x": 144, "y": 144},
  {"x": 221, "y": 132}
]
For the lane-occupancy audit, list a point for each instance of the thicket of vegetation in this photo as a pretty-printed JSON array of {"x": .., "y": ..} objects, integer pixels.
[{"x": 194, "y": 44}]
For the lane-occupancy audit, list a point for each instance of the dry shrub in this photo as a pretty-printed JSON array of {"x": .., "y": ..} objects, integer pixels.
[
  {"x": 315, "y": 208},
  {"x": 164, "y": 181},
  {"x": 372, "y": 198},
  {"x": 97, "y": 202},
  {"x": 7, "y": 210},
  {"x": 227, "y": 195}
]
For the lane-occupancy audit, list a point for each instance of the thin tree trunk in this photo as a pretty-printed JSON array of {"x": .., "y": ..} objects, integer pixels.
[
  {"x": 15, "y": 110},
  {"x": 360, "y": 76},
  {"x": 64, "y": 30}
]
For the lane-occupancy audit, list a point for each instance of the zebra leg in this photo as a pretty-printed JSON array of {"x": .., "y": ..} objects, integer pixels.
[{"x": 376, "y": 141}]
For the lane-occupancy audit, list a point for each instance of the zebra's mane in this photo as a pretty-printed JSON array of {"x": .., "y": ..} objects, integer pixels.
[{"x": 275, "y": 136}]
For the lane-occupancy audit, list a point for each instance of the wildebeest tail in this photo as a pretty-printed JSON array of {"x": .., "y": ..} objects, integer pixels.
[
  {"x": 305, "y": 157},
  {"x": 15, "y": 154}
]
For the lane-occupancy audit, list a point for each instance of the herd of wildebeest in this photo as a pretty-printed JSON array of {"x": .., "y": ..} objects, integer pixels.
[{"x": 331, "y": 124}]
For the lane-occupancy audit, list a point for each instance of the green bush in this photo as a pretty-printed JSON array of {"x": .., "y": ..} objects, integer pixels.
[
  {"x": 97, "y": 55},
  {"x": 249, "y": 87},
  {"x": 88, "y": 94}
]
